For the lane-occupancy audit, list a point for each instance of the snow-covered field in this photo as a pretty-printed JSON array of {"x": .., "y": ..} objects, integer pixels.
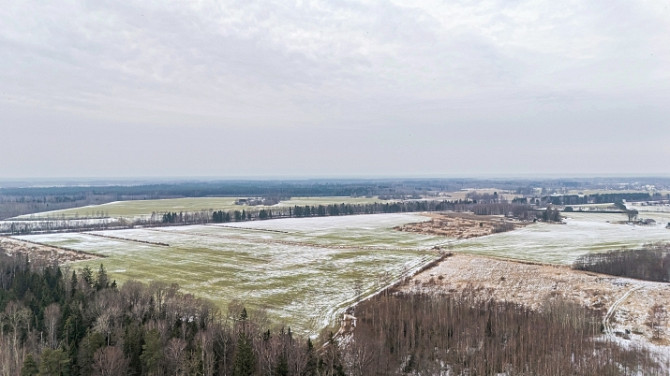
[
  {"x": 134, "y": 209},
  {"x": 302, "y": 271},
  {"x": 307, "y": 270},
  {"x": 563, "y": 243}
]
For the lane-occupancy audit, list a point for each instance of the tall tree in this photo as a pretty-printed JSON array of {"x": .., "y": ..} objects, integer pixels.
[{"x": 245, "y": 360}]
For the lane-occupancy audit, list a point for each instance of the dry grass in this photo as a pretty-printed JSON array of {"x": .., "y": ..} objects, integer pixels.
[{"x": 532, "y": 284}]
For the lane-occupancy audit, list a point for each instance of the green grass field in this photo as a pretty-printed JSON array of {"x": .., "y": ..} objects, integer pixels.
[
  {"x": 306, "y": 275},
  {"x": 140, "y": 208}
]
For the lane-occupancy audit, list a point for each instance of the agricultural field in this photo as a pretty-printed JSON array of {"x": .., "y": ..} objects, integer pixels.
[
  {"x": 307, "y": 271},
  {"x": 302, "y": 271},
  {"x": 563, "y": 243},
  {"x": 144, "y": 208}
]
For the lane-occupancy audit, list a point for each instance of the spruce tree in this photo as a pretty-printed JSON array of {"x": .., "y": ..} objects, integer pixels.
[{"x": 245, "y": 360}]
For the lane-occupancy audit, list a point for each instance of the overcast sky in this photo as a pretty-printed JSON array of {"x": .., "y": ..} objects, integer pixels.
[{"x": 336, "y": 88}]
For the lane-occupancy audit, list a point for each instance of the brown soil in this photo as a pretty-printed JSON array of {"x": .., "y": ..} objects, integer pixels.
[
  {"x": 532, "y": 284},
  {"x": 42, "y": 253},
  {"x": 460, "y": 225}
]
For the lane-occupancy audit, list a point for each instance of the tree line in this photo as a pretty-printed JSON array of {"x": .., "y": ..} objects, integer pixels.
[
  {"x": 19, "y": 198},
  {"x": 596, "y": 198},
  {"x": 524, "y": 212},
  {"x": 651, "y": 263},
  {"x": 520, "y": 211}
]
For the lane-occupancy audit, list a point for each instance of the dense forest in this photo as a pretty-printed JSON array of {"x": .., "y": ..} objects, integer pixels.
[
  {"x": 650, "y": 263},
  {"x": 408, "y": 334},
  {"x": 59, "y": 322}
]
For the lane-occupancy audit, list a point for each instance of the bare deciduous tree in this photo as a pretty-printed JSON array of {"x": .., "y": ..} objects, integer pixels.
[
  {"x": 109, "y": 361},
  {"x": 52, "y": 316},
  {"x": 657, "y": 320}
]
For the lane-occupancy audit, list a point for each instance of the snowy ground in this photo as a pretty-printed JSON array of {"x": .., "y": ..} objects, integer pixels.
[
  {"x": 307, "y": 270},
  {"x": 563, "y": 243},
  {"x": 302, "y": 271},
  {"x": 134, "y": 209}
]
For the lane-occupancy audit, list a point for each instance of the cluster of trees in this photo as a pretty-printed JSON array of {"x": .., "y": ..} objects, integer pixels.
[
  {"x": 16, "y": 227},
  {"x": 55, "y": 322},
  {"x": 460, "y": 335},
  {"x": 551, "y": 215},
  {"x": 598, "y": 198},
  {"x": 523, "y": 212},
  {"x": 650, "y": 263}
]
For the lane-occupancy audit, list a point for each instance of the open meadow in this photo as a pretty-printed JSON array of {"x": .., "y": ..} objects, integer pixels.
[
  {"x": 144, "y": 208},
  {"x": 562, "y": 243},
  {"x": 302, "y": 271}
]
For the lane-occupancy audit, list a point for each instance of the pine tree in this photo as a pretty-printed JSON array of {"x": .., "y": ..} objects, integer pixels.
[
  {"x": 54, "y": 362},
  {"x": 102, "y": 281},
  {"x": 245, "y": 360},
  {"x": 29, "y": 366},
  {"x": 311, "y": 364},
  {"x": 282, "y": 366},
  {"x": 152, "y": 353}
]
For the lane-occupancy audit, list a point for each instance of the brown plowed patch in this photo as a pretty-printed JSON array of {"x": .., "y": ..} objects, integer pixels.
[{"x": 461, "y": 225}]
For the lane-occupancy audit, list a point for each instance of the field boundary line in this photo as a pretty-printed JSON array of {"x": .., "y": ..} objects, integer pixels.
[
  {"x": 402, "y": 278},
  {"x": 127, "y": 239}
]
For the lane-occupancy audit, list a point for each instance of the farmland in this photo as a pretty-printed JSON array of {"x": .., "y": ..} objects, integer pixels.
[
  {"x": 563, "y": 243},
  {"x": 308, "y": 270},
  {"x": 302, "y": 271},
  {"x": 144, "y": 208}
]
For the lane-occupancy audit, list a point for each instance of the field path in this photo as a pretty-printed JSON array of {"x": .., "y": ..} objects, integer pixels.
[
  {"x": 125, "y": 239},
  {"x": 613, "y": 308}
]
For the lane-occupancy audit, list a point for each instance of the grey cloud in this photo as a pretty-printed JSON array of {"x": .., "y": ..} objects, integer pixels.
[{"x": 361, "y": 86}]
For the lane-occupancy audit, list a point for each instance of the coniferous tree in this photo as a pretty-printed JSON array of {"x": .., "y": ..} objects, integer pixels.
[
  {"x": 102, "y": 281},
  {"x": 29, "y": 366},
  {"x": 311, "y": 363},
  {"x": 245, "y": 360},
  {"x": 152, "y": 353}
]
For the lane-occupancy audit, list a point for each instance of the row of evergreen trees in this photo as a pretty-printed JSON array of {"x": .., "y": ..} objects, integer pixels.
[{"x": 517, "y": 210}]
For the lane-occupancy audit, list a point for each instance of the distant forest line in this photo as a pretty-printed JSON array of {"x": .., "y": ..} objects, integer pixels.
[
  {"x": 480, "y": 204},
  {"x": 16, "y": 201},
  {"x": 517, "y": 211}
]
